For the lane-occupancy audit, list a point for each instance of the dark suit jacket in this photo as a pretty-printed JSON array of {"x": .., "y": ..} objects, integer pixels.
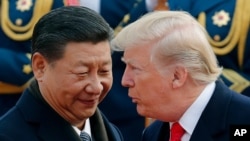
[
  {"x": 225, "y": 108},
  {"x": 33, "y": 120}
]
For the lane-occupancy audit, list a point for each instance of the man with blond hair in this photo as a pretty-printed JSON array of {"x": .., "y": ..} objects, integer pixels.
[{"x": 173, "y": 76}]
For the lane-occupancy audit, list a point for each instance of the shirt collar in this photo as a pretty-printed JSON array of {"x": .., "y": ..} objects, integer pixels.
[
  {"x": 86, "y": 128},
  {"x": 190, "y": 118}
]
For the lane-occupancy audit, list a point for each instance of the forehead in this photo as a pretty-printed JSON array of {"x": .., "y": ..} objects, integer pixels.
[
  {"x": 87, "y": 51},
  {"x": 139, "y": 54},
  {"x": 88, "y": 48}
]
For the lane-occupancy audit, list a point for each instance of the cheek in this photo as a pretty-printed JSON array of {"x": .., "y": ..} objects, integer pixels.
[
  {"x": 153, "y": 90},
  {"x": 153, "y": 86},
  {"x": 107, "y": 84},
  {"x": 149, "y": 81},
  {"x": 69, "y": 87},
  {"x": 55, "y": 78}
]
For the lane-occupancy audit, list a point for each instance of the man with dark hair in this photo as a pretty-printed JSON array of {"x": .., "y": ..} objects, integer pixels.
[{"x": 72, "y": 65}]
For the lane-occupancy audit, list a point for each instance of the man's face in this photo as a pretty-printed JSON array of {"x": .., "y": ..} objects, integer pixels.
[
  {"x": 148, "y": 87},
  {"x": 76, "y": 83}
]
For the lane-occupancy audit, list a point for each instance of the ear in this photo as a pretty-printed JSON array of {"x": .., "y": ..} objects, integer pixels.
[
  {"x": 39, "y": 64},
  {"x": 180, "y": 76}
]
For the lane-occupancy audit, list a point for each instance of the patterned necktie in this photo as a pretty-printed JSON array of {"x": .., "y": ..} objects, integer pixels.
[
  {"x": 84, "y": 136},
  {"x": 176, "y": 132}
]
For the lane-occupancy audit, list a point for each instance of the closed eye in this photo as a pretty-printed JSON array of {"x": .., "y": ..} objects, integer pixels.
[
  {"x": 82, "y": 74},
  {"x": 104, "y": 71}
]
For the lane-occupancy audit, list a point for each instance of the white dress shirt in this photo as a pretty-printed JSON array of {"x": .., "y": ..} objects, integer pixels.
[{"x": 190, "y": 118}]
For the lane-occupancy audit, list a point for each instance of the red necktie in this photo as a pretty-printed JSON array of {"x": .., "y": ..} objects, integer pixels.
[{"x": 176, "y": 132}]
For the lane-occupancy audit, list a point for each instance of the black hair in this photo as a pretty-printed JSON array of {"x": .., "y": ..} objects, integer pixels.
[{"x": 68, "y": 24}]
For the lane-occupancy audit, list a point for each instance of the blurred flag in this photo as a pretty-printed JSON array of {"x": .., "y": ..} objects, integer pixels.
[{"x": 72, "y": 2}]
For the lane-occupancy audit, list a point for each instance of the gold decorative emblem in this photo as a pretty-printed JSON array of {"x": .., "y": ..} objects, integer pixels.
[
  {"x": 217, "y": 37},
  {"x": 239, "y": 83},
  {"x": 27, "y": 69},
  {"x": 19, "y": 22},
  {"x": 24, "y": 31},
  {"x": 24, "y": 5},
  {"x": 221, "y": 18},
  {"x": 126, "y": 18}
]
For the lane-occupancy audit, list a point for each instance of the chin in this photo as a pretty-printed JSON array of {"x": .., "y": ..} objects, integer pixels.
[{"x": 140, "y": 111}]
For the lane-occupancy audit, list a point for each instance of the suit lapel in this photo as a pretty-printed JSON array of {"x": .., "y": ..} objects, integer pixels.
[
  {"x": 57, "y": 129},
  {"x": 201, "y": 133},
  {"x": 157, "y": 131},
  {"x": 48, "y": 124}
]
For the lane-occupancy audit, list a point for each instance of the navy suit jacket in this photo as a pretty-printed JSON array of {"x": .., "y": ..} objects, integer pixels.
[
  {"x": 225, "y": 108},
  {"x": 33, "y": 120}
]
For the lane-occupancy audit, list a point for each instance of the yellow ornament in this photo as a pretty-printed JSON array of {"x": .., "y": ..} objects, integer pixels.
[{"x": 27, "y": 69}]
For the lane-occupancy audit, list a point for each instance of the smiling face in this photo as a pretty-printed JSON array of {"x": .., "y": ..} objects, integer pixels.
[{"x": 75, "y": 84}]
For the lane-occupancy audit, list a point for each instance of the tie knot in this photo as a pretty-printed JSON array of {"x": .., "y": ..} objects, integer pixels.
[
  {"x": 176, "y": 132},
  {"x": 85, "y": 136}
]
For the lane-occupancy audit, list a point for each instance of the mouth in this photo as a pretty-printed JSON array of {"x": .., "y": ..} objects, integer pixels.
[
  {"x": 88, "y": 102},
  {"x": 134, "y": 100}
]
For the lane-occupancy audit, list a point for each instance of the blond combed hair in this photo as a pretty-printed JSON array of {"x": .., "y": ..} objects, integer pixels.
[{"x": 178, "y": 36}]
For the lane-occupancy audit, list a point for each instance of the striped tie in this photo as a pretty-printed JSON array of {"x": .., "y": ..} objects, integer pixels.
[{"x": 84, "y": 136}]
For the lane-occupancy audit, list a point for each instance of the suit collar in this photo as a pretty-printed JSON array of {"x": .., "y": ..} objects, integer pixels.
[{"x": 97, "y": 127}]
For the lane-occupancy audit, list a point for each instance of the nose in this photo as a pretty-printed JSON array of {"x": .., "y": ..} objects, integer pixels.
[
  {"x": 127, "y": 80},
  {"x": 94, "y": 86}
]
